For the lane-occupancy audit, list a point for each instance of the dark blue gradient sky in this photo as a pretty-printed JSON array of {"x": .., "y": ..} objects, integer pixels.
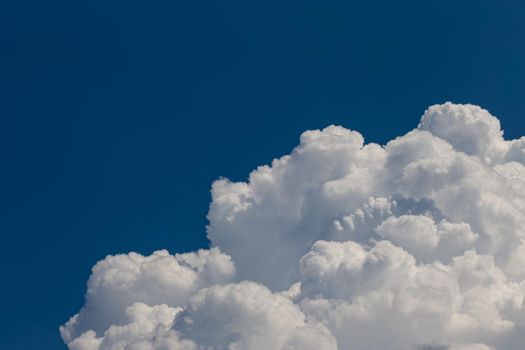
[{"x": 118, "y": 115}]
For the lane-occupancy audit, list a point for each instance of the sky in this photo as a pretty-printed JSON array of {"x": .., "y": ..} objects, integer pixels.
[{"x": 118, "y": 116}]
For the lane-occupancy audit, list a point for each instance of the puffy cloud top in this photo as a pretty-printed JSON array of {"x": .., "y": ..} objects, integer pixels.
[
  {"x": 467, "y": 128},
  {"x": 416, "y": 244}
]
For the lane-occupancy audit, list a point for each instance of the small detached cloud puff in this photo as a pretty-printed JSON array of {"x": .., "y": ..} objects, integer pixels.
[{"x": 417, "y": 244}]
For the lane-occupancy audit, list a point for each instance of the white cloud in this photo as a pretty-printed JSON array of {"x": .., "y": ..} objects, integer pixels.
[
  {"x": 249, "y": 316},
  {"x": 417, "y": 244},
  {"x": 360, "y": 292},
  {"x": 119, "y": 281}
]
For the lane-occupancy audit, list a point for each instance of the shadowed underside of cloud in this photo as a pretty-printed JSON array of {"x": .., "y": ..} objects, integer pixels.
[{"x": 417, "y": 244}]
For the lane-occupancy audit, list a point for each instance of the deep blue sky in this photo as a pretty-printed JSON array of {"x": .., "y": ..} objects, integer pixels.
[{"x": 118, "y": 115}]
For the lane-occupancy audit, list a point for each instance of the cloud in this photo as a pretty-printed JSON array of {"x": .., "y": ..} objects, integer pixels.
[
  {"x": 119, "y": 281},
  {"x": 417, "y": 244},
  {"x": 248, "y": 315}
]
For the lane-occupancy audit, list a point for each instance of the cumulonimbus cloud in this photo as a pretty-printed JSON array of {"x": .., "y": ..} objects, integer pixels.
[{"x": 417, "y": 244}]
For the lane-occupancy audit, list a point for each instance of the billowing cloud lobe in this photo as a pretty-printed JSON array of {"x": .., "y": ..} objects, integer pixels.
[{"x": 417, "y": 244}]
